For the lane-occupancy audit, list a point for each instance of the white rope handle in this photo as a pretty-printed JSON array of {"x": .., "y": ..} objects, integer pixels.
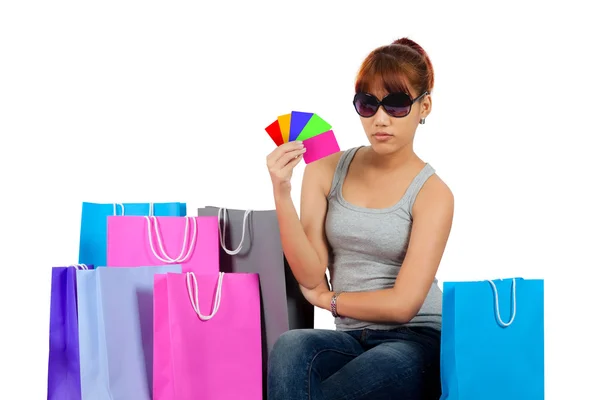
[
  {"x": 165, "y": 257},
  {"x": 150, "y": 209},
  {"x": 193, "y": 294},
  {"x": 80, "y": 266},
  {"x": 514, "y": 302},
  {"x": 223, "y": 229},
  {"x": 115, "y": 208}
]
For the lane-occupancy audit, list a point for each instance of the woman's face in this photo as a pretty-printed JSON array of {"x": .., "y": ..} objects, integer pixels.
[{"x": 389, "y": 134}]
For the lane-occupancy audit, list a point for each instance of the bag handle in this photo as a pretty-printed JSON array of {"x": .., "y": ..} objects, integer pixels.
[
  {"x": 223, "y": 219},
  {"x": 165, "y": 257},
  {"x": 194, "y": 297},
  {"x": 496, "y": 303},
  {"x": 78, "y": 266},
  {"x": 150, "y": 213}
]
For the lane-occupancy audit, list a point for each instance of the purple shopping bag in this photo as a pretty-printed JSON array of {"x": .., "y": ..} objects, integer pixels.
[{"x": 63, "y": 355}]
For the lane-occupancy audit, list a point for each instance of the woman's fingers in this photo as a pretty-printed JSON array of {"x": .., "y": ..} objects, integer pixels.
[
  {"x": 287, "y": 169},
  {"x": 281, "y": 151},
  {"x": 288, "y": 157}
]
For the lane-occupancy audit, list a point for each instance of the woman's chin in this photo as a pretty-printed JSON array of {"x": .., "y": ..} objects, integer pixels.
[{"x": 383, "y": 147}]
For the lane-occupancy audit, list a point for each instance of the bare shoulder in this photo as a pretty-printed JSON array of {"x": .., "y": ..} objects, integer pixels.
[
  {"x": 320, "y": 172},
  {"x": 434, "y": 197}
]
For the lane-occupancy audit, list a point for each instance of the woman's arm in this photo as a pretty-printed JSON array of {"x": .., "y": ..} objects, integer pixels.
[
  {"x": 303, "y": 238},
  {"x": 432, "y": 220}
]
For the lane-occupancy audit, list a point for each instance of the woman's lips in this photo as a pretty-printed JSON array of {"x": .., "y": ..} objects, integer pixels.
[{"x": 382, "y": 136}]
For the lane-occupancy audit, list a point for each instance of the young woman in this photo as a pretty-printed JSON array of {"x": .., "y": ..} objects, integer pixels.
[{"x": 378, "y": 217}]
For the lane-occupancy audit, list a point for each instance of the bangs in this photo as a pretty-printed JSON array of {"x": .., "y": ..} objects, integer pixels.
[{"x": 382, "y": 73}]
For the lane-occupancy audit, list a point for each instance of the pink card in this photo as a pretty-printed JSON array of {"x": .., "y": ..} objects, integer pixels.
[{"x": 320, "y": 146}]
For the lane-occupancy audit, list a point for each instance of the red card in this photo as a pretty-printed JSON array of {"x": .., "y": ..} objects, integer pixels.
[{"x": 275, "y": 132}]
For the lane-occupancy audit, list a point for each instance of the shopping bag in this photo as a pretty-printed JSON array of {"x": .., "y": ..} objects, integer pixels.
[
  {"x": 493, "y": 340},
  {"x": 250, "y": 243},
  {"x": 92, "y": 237},
  {"x": 63, "y": 354},
  {"x": 192, "y": 242},
  {"x": 207, "y": 337},
  {"x": 116, "y": 331}
]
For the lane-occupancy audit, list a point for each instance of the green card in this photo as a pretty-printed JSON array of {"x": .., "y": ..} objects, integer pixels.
[{"x": 315, "y": 126}]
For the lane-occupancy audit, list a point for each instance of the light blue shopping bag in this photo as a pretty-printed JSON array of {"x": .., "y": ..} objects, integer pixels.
[
  {"x": 93, "y": 229},
  {"x": 493, "y": 340},
  {"x": 115, "y": 311}
]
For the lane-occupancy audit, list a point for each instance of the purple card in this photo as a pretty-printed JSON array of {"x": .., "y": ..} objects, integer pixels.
[{"x": 298, "y": 121}]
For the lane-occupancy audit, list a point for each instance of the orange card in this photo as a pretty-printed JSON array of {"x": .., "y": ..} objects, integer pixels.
[{"x": 284, "y": 126}]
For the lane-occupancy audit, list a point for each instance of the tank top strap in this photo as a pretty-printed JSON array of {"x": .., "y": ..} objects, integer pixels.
[
  {"x": 342, "y": 169},
  {"x": 415, "y": 186}
]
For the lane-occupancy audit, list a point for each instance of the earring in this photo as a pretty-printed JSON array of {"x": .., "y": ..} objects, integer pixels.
[{"x": 422, "y": 121}]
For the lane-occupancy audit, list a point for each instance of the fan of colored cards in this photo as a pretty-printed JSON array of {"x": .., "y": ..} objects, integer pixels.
[{"x": 316, "y": 134}]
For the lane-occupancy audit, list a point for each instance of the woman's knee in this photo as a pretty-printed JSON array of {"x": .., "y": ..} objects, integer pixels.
[
  {"x": 299, "y": 346},
  {"x": 292, "y": 342},
  {"x": 290, "y": 351}
]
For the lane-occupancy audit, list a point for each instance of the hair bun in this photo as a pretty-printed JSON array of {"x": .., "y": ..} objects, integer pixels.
[
  {"x": 399, "y": 66},
  {"x": 410, "y": 43}
]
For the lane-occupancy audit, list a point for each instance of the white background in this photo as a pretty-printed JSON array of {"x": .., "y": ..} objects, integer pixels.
[{"x": 123, "y": 101}]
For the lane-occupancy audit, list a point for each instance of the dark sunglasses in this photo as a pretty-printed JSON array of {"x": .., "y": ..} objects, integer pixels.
[{"x": 396, "y": 105}]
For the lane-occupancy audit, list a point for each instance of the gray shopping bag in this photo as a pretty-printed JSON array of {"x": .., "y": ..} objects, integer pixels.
[{"x": 283, "y": 307}]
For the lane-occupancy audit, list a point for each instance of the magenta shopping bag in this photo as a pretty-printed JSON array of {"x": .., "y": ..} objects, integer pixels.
[
  {"x": 207, "y": 340},
  {"x": 192, "y": 242},
  {"x": 63, "y": 353}
]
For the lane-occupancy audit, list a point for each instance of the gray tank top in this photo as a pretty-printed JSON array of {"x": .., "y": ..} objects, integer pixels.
[{"x": 367, "y": 247}]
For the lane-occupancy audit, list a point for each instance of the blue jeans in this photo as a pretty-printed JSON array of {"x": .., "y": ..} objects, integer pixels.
[{"x": 315, "y": 364}]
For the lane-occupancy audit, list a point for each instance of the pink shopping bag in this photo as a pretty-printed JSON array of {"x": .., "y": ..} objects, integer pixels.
[
  {"x": 207, "y": 340},
  {"x": 192, "y": 242}
]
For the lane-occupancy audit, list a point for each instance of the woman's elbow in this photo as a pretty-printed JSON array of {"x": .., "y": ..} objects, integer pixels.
[
  {"x": 312, "y": 281},
  {"x": 404, "y": 313},
  {"x": 308, "y": 277}
]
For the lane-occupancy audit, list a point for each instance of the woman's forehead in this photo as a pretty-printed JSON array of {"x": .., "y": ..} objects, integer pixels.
[
  {"x": 380, "y": 91},
  {"x": 381, "y": 85}
]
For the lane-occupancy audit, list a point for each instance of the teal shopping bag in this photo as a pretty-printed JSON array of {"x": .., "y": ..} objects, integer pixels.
[
  {"x": 93, "y": 230},
  {"x": 493, "y": 340},
  {"x": 116, "y": 326}
]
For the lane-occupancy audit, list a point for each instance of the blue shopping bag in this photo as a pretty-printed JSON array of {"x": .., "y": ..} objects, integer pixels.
[
  {"x": 116, "y": 320},
  {"x": 63, "y": 349},
  {"x": 493, "y": 340},
  {"x": 93, "y": 230}
]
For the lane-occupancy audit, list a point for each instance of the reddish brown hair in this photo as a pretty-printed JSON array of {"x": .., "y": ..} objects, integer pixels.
[{"x": 396, "y": 66}]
